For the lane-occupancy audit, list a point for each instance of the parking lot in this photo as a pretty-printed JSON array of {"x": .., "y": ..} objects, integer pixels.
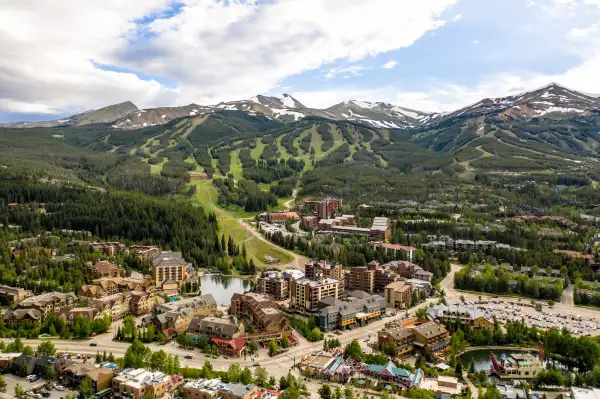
[
  {"x": 506, "y": 311},
  {"x": 13, "y": 380}
]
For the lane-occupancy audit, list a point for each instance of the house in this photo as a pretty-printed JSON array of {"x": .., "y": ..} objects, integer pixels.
[
  {"x": 432, "y": 335},
  {"x": 215, "y": 388},
  {"x": 101, "y": 377},
  {"x": 216, "y": 327},
  {"x": 105, "y": 269},
  {"x": 141, "y": 303}
]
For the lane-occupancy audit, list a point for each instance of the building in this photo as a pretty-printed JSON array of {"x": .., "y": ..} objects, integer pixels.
[
  {"x": 176, "y": 316},
  {"x": 585, "y": 393},
  {"x": 109, "y": 248},
  {"x": 325, "y": 209},
  {"x": 213, "y": 389},
  {"x": 91, "y": 291},
  {"x": 216, "y": 327},
  {"x": 144, "y": 253},
  {"x": 512, "y": 392},
  {"x": 442, "y": 386},
  {"x": 258, "y": 310},
  {"x": 7, "y": 359},
  {"x": 357, "y": 310},
  {"x": 49, "y": 302},
  {"x": 137, "y": 382},
  {"x": 360, "y": 278},
  {"x": 116, "y": 306},
  {"x": 38, "y": 364},
  {"x": 168, "y": 266},
  {"x": 141, "y": 303},
  {"x": 281, "y": 217},
  {"x": 407, "y": 251},
  {"x": 101, "y": 377},
  {"x": 274, "y": 284},
  {"x": 306, "y": 294},
  {"x": 381, "y": 228},
  {"x": 398, "y": 294},
  {"x": 474, "y": 317},
  {"x": 69, "y": 315},
  {"x": 413, "y": 336},
  {"x": 13, "y": 295},
  {"x": 22, "y": 318},
  {"x": 105, "y": 269},
  {"x": 322, "y": 269}
]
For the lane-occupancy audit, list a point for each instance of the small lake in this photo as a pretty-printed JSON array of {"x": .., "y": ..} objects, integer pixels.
[
  {"x": 222, "y": 287},
  {"x": 482, "y": 358}
]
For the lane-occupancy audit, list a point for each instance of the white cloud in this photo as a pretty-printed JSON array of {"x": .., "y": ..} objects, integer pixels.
[
  {"x": 584, "y": 32},
  {"x": 475, "y": 42},
  {"x": 212, "y": 50},
  {"x": 353, "y": 70},
  {"x": 390, "y": 64}
]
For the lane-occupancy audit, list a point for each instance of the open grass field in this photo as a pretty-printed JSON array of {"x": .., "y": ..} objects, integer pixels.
[{"x": 206, "y": 196}]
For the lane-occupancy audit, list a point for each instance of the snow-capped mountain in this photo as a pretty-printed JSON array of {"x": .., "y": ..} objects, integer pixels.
[
  {"x": 551, "y": 101},
  {"x": 378, "y": 114}
]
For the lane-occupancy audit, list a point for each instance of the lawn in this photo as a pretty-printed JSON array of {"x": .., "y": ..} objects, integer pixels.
[{"x": 206, "y": 196}]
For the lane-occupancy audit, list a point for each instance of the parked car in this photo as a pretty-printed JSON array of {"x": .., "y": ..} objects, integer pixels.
[
  {"x": 188, "y": 356},
  {"x": 59, "y": 388},
  {"x": 93, "y": 344}
]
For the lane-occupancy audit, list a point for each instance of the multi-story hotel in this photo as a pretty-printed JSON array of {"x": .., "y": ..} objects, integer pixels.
[
  {"x": 276, "y": 284},
  {"x": 168, "y": 266},
  {"x": 305, "y": 294},
  {"x": 258, "y": 310},
  {"x": 398, "y": 294},
  {"x": 360, "y": 278},
  {"x": 322, "y": 269},
  {"x": 412, "y": 338}
]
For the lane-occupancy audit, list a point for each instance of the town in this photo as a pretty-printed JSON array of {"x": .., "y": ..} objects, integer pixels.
[{"x": 148, "y": 323}]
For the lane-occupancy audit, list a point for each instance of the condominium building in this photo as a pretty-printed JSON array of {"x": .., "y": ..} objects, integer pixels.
[
  {"x": 398, "y": 294},
  {"x": 358, "y": 309},
  {"x": 408, "y": 251},
  {"x": 168, "y": 266},
  {"x": 137, "y": 382},
  {"x": 413, "y": 338},
  {"x": 105, "y": 269},
  {"x": 141, "y": 303},
  {"x": 323, "y": 269},
  {"x": 101, "y": 377},
  {"x": 475, "y": 318},
  {"x": 216, "y": 327},
  {"x": 305, "y": 294},
  {"x": 258, "y": 310},
  {"x": 49, "y": 302},
  {"x": 69, "y": 315},
  {"x": 325, "y": 209},
  {"x": 276, "y": 284},
  {"x": 177, "y": 316},
  {"x": 360, "y": 278},
  {"x": 116, "y": 306},
  {"x": 14, "y": 294},
  {"x": 215, "y": 388},
  {"x": 145, "y": 253}
]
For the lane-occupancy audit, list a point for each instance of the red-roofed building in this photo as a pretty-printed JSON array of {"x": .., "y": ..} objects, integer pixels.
[
  {"x": 281, "y": 217},
  {"x": 231, "y": 347}
]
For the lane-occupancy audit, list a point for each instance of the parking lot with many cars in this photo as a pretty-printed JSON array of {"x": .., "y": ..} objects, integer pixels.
[
  {"x": 548, "y": 317},
  {"x": 37, "y": 389}
]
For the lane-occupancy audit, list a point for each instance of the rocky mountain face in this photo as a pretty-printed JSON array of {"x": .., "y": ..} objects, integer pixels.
[{"x": 552, "y": 101}]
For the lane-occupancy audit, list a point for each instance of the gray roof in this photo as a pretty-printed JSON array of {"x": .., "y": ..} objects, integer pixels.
[{"x": 438, "y": 312}]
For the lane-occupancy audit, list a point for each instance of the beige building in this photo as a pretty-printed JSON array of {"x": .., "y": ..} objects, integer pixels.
[
  {"x": 101, "y": 377},
  {"x": 258, "y": 310},
  {"x": 49, "y": 303},
  {"x": 145, "y": 253},
  {"x": 105, "y": 269},
  {"x": 90, "y": 313},
  {"x": 137, "y": 382},
  {"x": 398, "y": 294},
  {"x": 215, "y": 388},
  {"x": 15, "y": 294},
  {"x": 306, "y": 294},
  {"x": 323, "y": 269},
  {"x": 116, "y": 306},
  {"x": 216, "y": 327},
  {"x": 141, "y": 303},
  {"x": 360, "y": 278},
  {"x": 168, "y": 266}
]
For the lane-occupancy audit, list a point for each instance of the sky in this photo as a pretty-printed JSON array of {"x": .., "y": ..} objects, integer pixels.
[{"x": 61, "y": 57}]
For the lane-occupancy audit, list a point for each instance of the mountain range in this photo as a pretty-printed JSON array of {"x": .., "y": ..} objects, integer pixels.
[{"x": 552, "y": 101}]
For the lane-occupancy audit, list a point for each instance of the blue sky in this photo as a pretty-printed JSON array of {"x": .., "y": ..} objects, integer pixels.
[{"x": 432, "y": 55}]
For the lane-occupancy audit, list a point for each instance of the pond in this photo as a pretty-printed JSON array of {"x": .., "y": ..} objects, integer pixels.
[
  {"x": 482, "y": 358},
  {"x": 222, "y": 287}
]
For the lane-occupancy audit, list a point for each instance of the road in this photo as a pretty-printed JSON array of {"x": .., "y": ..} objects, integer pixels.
[{"x": 567, "y": 296}]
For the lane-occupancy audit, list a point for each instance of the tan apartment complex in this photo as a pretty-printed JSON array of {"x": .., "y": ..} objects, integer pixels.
[
  {"x": 258, "y": 310},
  {"x": 305, "y": 294},
  {"x": 168, "y": 265}
]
